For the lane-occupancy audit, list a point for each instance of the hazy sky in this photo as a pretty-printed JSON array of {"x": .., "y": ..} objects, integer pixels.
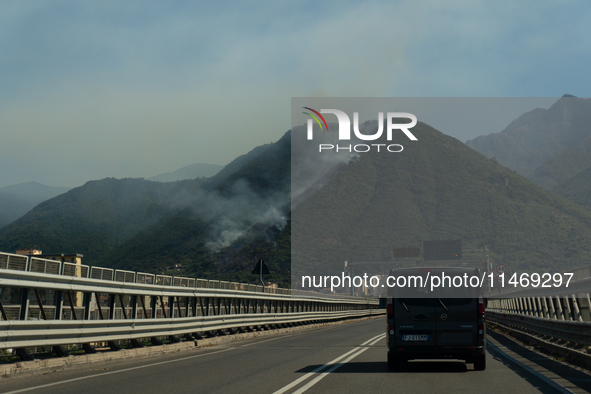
[{"x": 137, "y": 88}]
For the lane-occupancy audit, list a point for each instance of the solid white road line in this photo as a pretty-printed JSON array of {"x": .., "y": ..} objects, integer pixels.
[
  {"x": 332, "y": 364},
  {"x": 148, "y": 365},
  {"x": 114, "y": 372}
]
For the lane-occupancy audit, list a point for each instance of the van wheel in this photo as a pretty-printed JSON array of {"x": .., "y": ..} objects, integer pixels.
[
  {"x": 480, "y": 362},
  {"x": 393, "y": 362}
]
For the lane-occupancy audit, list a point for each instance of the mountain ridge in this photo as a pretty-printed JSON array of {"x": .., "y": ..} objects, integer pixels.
[
  {"x": 16, "y": 200},
  {"x": 192, "y": 171},
  {"x": 538, "y": 135}
]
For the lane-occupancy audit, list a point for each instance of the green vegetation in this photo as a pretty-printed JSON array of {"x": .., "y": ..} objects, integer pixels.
[
  {"x": 558, "y": 169},
  {"x": 438, "y": 188},
  {"x": 577, "y": 188},
  {"x": 95, "y": 218}
]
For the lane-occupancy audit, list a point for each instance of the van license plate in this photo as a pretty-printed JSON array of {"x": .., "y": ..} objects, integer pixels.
[{"x": 415, "y": 338}]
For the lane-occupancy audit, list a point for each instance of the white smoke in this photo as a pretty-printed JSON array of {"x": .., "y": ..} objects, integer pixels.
[{"x": 233, "y": 214}]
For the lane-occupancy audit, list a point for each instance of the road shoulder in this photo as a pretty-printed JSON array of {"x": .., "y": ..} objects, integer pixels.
[{"x": 569, "y": 377}]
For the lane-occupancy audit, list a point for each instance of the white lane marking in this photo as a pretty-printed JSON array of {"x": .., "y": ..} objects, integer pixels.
[
  {"x": 266, "y": 340},
  {"x": 310, "y": 374},
  {"x": 371, "y": 339},
  {"x": 324, "y": 374},
  {"x": 151, "y": 365},
  {"x": 332, "y": 363},
  {"x": 114, "y": 372},
  {"x": 147, "y": 365}
]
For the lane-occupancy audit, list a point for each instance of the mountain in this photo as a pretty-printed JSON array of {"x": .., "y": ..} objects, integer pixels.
[
  {"x": 355, "y": 210},
  {"x": 95, "y": 218},
  {"x": 577, "y": 188},
  {"x": 234, "y": 166},
  {"x": 558, "y": 169},
  {"x": 16, "y": 200},
  {"x": 249, "y": 205},
  {"x": 437, "y": 188},
  {"x": 197, "y": 170},
  {"x": 537, "y": 144}
]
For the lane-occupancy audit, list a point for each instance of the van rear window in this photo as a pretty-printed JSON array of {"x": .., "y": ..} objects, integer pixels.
[
  {"x": 457, "y": 301},
  {"x": 417, "y": 301},
  {"x": 456, "y": 292}
]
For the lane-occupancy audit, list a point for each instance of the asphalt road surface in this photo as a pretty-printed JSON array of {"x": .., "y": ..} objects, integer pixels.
[{"x": 345, "y": 358}]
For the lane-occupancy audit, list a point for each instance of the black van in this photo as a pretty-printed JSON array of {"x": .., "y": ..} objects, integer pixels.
[{"x": 448, "y": 324}]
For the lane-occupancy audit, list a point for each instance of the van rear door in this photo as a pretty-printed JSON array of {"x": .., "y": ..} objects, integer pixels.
[
  {"x": 457, "y": 316},
  {"x": 457, "y": 322},
  {"x": 415, "y": 322}
]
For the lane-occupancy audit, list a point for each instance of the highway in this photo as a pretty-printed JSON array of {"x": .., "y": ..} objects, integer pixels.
[{"x": 343, "y": 358}]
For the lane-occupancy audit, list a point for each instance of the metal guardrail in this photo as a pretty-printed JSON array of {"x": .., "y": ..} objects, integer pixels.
[
  {"x": 41, "y": 305},
  {"x": 124, "y": 276},
  {"x": 580, "y": 283},
  {"x": 543, "y": 316},
  {"x": 576, "y": 287},
  {"x": 45, "y": 266},
  {"x": 25, "y": 334},
  {"x": 102, "y": 273},
  {"x": 571, "y": 331},
  {"x": 148, "y": 279},
  {"x": 15, "y": 262}
]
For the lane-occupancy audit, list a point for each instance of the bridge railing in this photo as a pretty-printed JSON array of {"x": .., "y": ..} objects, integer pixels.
[
  {"x": 23, "y": 263},
  {"x": 84, "y": 306},
  {"x": 565, "y": 303},
  {"x": 14, "y": 262},
  {"x": 547, "y": 315}
]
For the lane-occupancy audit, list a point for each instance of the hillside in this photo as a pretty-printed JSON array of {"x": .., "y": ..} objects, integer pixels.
[
  {"x": 560, "y": 168},
  {"x": 539, "y": 136},
  {"x": 98, "y": 217},
  {"x": 197, "y": 170},
  {"x": 437, "y": 188},
  {"x": 243, "y": 209},
  {"x": 16, "y": 200},
  {"x": 577, "y": 188},
  {"x": 95, "y": 218},
  {"x": 234, "y": 166}
]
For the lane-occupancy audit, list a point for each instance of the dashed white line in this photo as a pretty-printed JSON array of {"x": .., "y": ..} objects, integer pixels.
[{"x": 332, "y": 365}]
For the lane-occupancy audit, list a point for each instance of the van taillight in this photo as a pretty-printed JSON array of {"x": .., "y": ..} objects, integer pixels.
[
  {"x": 481, "y": 306},
  {"x": 389, "y": 309},
  {"x": 481, "y": 309},
  {"x": 480, "y": 329},
  {"x": 391, "y": 328}
]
